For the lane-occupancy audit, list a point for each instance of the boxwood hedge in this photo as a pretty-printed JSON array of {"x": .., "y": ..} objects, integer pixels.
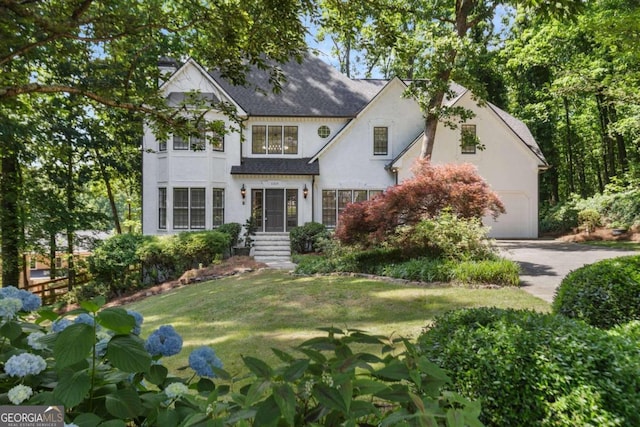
[
  {"x": 603, "y": 294},
  {"x": 529, "y": 368}
]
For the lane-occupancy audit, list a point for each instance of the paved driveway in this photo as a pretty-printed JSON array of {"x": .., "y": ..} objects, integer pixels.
[{"x": 545, "y": 263}]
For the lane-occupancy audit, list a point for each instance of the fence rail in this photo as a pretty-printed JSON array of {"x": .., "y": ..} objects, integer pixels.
[{"x": 51, "y": 290}]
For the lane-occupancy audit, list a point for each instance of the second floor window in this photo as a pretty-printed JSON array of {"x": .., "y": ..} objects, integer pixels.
[
  {"x": 468, "y": 139},
  {"x": 274, "y": 139},
  {"x": 199, "y": 140},
  {"x": 380, "y": 141}
]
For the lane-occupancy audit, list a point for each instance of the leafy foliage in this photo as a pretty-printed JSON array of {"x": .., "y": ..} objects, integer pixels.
[
  {"x": 433, "y": 189},
  {"x": 308, "y": 237},
  {"x": 589, "y": 219},
  {"x": 538, "y": 369},
  {"x": 497, "y": 272},
  {"x": 233, "y": 229},
  {"x": 446, "y": 236},
  {"x": 102, "y": 372},
  {"x": 603, "y": 294},
  {"x": 128, "y": 261}
]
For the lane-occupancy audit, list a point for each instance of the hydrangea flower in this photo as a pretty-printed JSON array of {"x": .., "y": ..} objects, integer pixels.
[
  {"x": 34, "y": 340},
  {"x": 60, "y": 325},
  {"x": 85, "y": 318},
  {"x": 174, "y": 390},
  {"x": 24, "y": 364},
  {"x": 19, "y": 394},
  {"x": 9, "y": 307},
  {"x": 139, "y": 319},
  {"x": 164, "y": 341},
  {"x": 202, "y": 359},
  {"x": 30, "y": 301}
]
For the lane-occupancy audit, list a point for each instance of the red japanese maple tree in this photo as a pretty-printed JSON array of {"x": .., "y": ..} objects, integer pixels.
[{"x": 456, "y": 187}]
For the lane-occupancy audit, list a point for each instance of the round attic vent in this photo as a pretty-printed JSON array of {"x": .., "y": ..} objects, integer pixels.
[{"x": 324, "y": 131}]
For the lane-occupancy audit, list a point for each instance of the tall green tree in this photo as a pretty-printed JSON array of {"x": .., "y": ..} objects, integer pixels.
[
  {"x": 106, "y": 52},
  {"x": 433, "y": 42},
  {"x": 576, "y": 86}
]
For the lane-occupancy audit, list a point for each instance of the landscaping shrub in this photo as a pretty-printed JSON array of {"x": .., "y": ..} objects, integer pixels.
[
  {"x": 529, "y": 368},
  {"x": 560, "y": 218},
  {"x": 381, "y": 262},
  {"x": 233, "y": 230},
  {"x": 603, "y": 294},
  {"x": 434, "y": 189},
  {"x": 589, "y": 219},
  {"x": 446, "y": 236},
  {"x": 306, "y": 238},
  {"x": 192, "y": 249},
  {"x": 94, "y": 363},
  {"x": 158, "y": 260},
  {"x": 115, "y": 262}
]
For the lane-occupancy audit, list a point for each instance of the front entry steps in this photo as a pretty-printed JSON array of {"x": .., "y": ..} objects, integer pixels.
[{"x": 271, "y": 247}]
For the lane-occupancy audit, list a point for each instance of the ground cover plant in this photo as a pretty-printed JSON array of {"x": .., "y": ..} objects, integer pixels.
[
  {"x": 603, "y": 294},
  {"x": 530, "y": 368}
]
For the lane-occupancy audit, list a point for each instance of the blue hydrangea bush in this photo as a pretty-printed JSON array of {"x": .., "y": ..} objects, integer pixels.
[{"x": 94, "y": 362}]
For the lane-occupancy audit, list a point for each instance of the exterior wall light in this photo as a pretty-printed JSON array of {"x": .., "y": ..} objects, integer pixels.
[
  {"x": 305, "y": 191},
  {"x": 243, "y": 192}
]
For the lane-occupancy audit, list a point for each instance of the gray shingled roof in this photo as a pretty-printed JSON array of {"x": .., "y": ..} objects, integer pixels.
[
  {"x": 276, "y": 166},
  {"x": 313, "y": 88}
]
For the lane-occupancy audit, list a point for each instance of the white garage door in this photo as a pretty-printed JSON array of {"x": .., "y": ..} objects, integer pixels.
[{"x": 517, "y": 222}]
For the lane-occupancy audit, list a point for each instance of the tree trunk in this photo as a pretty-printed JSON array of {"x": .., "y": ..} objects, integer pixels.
[
  {"x": 431, "y": 121},
  {"x": 623, "y": 161},
  {"x": 607, "y": 142},
  {"x": 9, "y": 216},
  {"x": 71, "y": 272},
  {"x": 53, "y": 252},
  {"x": 572, "y": 185},
  {"x": 107, "y": 183}
]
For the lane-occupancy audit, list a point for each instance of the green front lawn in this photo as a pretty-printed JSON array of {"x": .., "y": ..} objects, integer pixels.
[{"x": 251, "y": 313}]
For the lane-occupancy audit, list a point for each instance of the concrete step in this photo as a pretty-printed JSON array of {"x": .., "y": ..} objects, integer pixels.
[{"x": 272, "y": 247}]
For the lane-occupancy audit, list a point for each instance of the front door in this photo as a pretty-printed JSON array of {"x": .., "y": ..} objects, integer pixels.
[{"x": 274, "y": 210}]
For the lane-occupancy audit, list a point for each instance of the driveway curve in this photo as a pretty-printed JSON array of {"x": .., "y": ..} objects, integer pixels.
[{"x": 545, "y": 263}]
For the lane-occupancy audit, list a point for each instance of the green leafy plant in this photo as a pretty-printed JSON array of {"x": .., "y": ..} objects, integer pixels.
[
  {"x": 250, "y": 230},
  {"x": 93, "y": 362},
  {"x": 589, "y": 219},
  {"x": 529, "y": 368},
  {"x": 447, "y": 236},
  {"x": 307, "y": 238},
  {"x": 603, "y": 294}
]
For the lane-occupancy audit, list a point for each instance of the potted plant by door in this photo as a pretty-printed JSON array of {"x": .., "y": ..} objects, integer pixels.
[{"x": 250, "y": 229}]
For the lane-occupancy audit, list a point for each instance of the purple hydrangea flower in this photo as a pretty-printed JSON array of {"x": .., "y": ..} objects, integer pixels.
[
  {"x": 164, "y": 341},
  {"x": 30, "y": 301},
  {"x": 139, "y": 319},
  {"x": 202, "y": 359}
]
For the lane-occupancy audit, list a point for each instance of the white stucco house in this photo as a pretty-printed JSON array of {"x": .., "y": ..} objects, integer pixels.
[{"x": 322, "y": 142}]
